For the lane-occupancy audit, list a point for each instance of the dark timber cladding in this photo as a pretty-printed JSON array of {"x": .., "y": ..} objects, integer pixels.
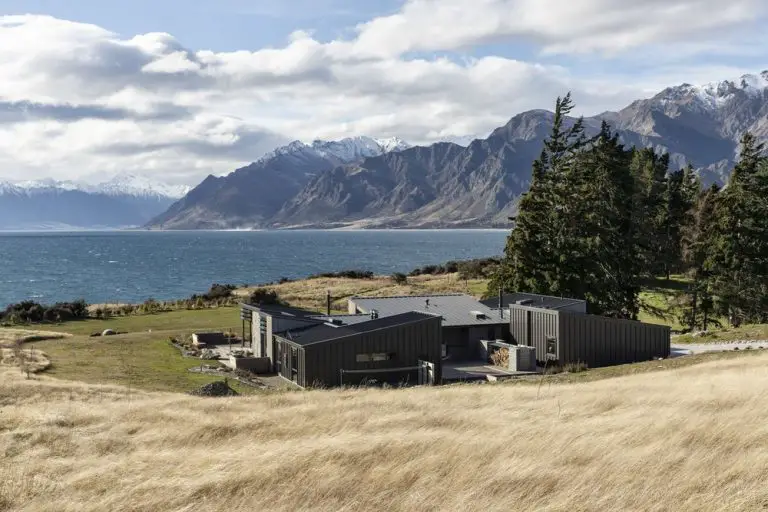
[
  {"x": 317, "y": 356},
  {"x": 597, "y": 341}
]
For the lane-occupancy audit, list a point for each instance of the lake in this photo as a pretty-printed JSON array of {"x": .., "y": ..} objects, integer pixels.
[{"x": 132, "y": 266}]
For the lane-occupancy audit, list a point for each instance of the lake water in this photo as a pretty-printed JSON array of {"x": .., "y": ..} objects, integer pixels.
[{"x": 132, "y": 266}]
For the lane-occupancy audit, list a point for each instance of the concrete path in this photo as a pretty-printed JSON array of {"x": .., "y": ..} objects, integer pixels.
[{"x": 685, "y": 349}]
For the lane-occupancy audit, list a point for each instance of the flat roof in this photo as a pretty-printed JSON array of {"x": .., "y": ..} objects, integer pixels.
[
  {"x": 324, "y": 332},
  {"x": 457, "y": 310},
  {"x": 278, "y": 310},
  {"x": 536, "y": 301}
]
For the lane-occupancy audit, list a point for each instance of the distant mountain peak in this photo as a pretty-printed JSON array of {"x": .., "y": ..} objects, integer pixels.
[
  {"x": 715, "y": 95},
  {"x": 392, "y": 144},
  {"x": 343, "y": 151},
  {"x": 121, "y": 184},
  {"x": 135, "y": 185}
]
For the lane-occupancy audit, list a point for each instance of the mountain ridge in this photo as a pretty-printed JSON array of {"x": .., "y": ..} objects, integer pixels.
[
  {"x": 125, "y": 201},
  {"x": 478, "y": 183}
]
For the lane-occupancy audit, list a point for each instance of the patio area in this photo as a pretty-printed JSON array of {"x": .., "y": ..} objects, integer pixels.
[{"x": 467, "y": 371}]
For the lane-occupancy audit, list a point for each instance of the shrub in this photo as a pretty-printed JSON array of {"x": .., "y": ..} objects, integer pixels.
[
  {"x": 262, "y": 296},
  {"x": 33, "y": 312},
  {"x": 399, "y": 278},
  {"x": 500, "y": 357},
  {"x": 348, "y": 274},
  {"x": 219, "y": 291}
]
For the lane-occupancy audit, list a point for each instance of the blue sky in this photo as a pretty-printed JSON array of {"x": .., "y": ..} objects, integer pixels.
[
  {"x": 219, "y": 25},
  {"x": 178, "y": 90}
]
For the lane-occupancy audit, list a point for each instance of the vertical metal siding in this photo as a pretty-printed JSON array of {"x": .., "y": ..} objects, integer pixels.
[
  {"x": 543, "y": 324},
  {"x": 599, "y": 341},
  {"x": 323, "y": 361}
]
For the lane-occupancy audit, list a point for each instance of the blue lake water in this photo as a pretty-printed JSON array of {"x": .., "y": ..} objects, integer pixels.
[{"x": 132, "y": 266}]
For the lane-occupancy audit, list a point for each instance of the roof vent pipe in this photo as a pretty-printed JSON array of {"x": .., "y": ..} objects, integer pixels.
[{"x": 374, "y": 314}]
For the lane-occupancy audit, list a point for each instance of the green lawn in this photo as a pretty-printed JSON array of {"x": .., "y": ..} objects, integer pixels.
[
  {"x": 222, "y": 319},
  {"x": 658, "y": 298},
  {"x": 140, "y": 360},
  {"x": 744, "y": 332}
]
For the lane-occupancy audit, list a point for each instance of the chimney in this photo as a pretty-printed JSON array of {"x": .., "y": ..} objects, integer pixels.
[{"x": 328, "y": 302}]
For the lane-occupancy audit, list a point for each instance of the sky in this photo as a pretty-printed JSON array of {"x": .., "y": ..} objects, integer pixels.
[{"x": 176, "y": 90}]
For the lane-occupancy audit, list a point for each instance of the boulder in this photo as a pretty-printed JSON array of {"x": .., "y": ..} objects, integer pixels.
[
  {"x": 108, "y": 332},
  {"x": 215, "y": 389}
]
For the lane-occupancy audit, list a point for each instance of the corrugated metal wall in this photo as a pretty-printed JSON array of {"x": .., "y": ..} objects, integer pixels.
[
  {"x": 590, "y": 339},
  {"x": 599, "y": 341},
  {"x": 407, "y": 343},
  {"x": 532, "y": 326}
]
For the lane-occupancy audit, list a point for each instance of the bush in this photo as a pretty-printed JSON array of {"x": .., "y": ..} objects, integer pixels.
[
  {"x": 32, "y": 312},
  {"x": 399, "y": 278},
  {"x": 347, "y": 274},
  {"x": 264, "y": 297},
  {"x": 219, "y": 291},
  {"x": 500, "y": 357},
  {"x": 469, "y": 269}
]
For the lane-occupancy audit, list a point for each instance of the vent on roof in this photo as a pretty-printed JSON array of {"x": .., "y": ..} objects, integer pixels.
[
  {"x": 523, "y": 302},
  {"x": 479, "y": 315},
  {"x": 374, "y": 314},
  {"x": 336, "y": 321}
]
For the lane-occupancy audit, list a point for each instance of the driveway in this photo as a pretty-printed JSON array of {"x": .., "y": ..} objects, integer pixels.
[{"x": 686, "y": 349}]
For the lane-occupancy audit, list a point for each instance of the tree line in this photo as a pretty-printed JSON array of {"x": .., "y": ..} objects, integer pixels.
[{"x": 600, "y": 219}]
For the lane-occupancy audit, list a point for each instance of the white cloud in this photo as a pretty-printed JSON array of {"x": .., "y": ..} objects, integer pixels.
[{"x": 78, "y": 100}]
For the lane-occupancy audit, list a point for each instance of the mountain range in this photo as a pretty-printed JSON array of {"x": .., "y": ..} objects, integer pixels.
[
  {"x": 476, "y": 184},
  {"x": 125, "y": 201},
  {"x": 386, "y": 183}
]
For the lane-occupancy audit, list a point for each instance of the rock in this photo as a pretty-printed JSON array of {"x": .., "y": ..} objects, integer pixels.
[
  {"x": 215, "y": 389},
  {"x": 108, "y": 332},
  {"x": 208, "y": 354}
]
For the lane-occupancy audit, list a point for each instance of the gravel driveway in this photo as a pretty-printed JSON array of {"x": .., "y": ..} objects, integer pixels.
[{"x": 700, "y": 348}]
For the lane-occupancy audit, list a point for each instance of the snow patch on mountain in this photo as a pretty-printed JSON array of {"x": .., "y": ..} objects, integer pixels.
[
  {"x": 120, "y": 185},
  {"x": 342, "y": 151},
  {"x": 715, "y": 95},
  {"x": 139, "y": 186}
]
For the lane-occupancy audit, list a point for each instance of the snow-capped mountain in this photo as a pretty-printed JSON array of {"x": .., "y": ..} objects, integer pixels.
[
  {"x": 140, "y": 186},
  {"x": 122, "y": 184},
  {"x": 123, "y": 201},
  {"x": 716, "y": 95},
  {"x": 342, "y": 151},
  {"x": 250, "y": 196}
]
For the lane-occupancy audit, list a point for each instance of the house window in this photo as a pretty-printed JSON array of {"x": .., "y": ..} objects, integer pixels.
[
  {"x": 367, "y": 358},
  {"x": 263, "y": 327}
]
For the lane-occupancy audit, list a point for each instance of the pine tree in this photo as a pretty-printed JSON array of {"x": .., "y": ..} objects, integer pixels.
[
  {"x": 682, "y": 191},
  {"x": 649, "y": 171},
  {"x": 697, "y": 306},
  {"x": 532, "y": 254},
  {"x": 609, "y": 267},
  {"x": 738, "y": 259}
]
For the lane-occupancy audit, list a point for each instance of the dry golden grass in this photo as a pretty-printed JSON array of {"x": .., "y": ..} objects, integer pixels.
[
  {"x": 28, "y": 359},
  {"x": 691, "y": 439},
  {"x": 9, "y": 337},
  {"x": 311, "y": 293}
]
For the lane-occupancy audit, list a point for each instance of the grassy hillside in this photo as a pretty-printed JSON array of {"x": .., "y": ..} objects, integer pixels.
[{"x": 691, "y": 439}]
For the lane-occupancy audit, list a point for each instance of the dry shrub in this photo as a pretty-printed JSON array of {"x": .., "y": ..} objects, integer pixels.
[{"x": 501, "y": 357}]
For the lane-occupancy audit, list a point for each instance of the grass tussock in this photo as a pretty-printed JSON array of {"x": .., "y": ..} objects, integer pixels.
[{"x": 693, "y": 438}]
